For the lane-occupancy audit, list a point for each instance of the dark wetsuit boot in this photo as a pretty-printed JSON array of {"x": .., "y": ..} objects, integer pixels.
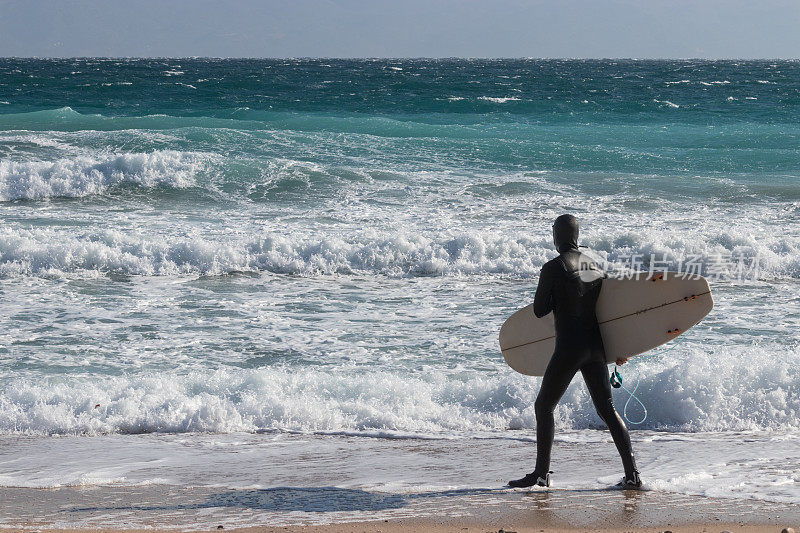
[{"x": 530, "y": 480}]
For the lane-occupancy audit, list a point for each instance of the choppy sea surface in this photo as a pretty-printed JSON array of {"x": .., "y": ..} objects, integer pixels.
[{"x": 261, "y": 251}]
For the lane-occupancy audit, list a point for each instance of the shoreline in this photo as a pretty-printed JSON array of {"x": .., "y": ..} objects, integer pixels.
[
  {"x": 338, "y": 510},
  {"x": 468, "y": 527},
  {"x": 332, "y": 484},
  {"x": 442, "y": 526}
]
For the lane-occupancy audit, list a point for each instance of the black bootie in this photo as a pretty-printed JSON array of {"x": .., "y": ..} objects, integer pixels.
[
  {"x": 631, "y": 481},
  {"x": 530, "y": 480}
]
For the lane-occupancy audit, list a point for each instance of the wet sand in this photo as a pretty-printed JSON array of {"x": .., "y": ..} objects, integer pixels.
[
  {"x": 437, "y": 527},
  {"x": 441, "y": 527},
  {"x": 335, "y": 510}
]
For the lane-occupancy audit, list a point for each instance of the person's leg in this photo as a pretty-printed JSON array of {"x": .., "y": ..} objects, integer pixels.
[
  {"x": 595, "y": 374},
  {"x": 556, "y": 379}
]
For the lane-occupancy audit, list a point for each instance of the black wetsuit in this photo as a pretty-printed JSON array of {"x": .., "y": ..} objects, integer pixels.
[{"x": 569, "y": 286}]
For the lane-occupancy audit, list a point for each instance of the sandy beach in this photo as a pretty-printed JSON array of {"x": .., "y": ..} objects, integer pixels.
[
  {"x": 414, "y": 526},
  {"x": 328, "y": 509}
]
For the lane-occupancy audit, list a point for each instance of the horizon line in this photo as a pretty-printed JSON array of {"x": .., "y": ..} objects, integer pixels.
[{"x": 415, "y": 58}]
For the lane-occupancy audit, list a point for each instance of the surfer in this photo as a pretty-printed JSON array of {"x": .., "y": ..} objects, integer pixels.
[{"x": 569, "y": 286}]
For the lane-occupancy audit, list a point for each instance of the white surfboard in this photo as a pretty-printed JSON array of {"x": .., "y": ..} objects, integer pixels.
[{"x": 635, "y": 314}]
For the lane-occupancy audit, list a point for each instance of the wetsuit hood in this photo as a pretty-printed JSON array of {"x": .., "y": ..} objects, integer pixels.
[{"x": 565, "y": 233}]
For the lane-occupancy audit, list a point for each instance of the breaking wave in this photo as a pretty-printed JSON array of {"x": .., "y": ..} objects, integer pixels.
[
  {"x": 699, "y": 387},
  {"x": 47, "y": 252},
  {"x": 84, "y": 176}
]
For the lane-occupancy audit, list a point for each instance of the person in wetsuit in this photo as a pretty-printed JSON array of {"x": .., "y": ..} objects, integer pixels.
[{"x": 569, "y": 286}]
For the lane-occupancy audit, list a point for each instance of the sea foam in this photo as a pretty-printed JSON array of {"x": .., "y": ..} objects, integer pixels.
[
  {"x": 702, "y": 386},
  {"x": 83, "y": 175},
  {"x": 729, "y": 255}
]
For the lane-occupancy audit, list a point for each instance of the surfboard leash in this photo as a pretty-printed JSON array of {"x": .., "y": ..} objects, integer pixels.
[{"x": 616, "y": 382}]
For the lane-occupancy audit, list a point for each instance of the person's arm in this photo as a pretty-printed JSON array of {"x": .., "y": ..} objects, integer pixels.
[{"x": 543, "y": 301}]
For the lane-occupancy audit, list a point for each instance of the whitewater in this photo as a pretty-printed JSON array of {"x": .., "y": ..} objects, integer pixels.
[{"x": 201, "y": 259}]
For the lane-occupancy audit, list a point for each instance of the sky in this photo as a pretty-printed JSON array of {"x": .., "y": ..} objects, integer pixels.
[{"x": 401, "y": 28}]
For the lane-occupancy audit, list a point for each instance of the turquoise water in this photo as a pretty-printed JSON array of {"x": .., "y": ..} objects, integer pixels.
[{"x": 330, "y": 246}]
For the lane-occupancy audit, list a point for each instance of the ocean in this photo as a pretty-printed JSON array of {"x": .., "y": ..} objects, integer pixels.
[{"x": 261, "y": 273}]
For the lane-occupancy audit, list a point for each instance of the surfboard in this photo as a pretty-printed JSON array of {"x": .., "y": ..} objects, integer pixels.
[{"x": 636, "y": 313}]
